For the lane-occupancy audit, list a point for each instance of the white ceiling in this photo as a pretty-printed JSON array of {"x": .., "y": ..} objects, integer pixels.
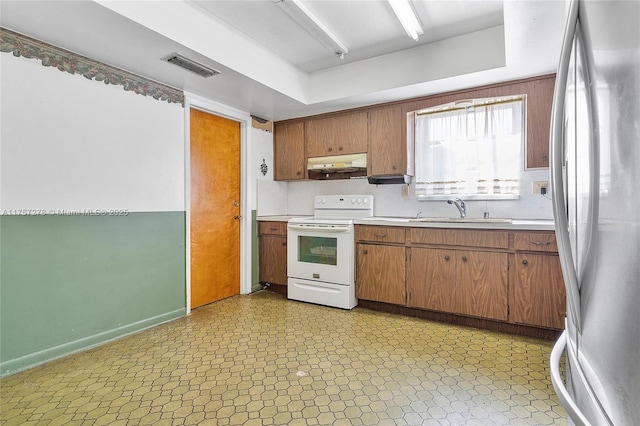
[{"x": 273, "y": 68}]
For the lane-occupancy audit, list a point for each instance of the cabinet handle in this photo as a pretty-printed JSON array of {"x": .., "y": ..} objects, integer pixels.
[
  {"x": 340, "y": 148},
  {"x": 365, "y": 251},
  {"x": 298, "y": 172},
  {"x": 464, "y": 258},
  {"x": 237, "y": 217},
  {"x": 525, "y": 262},
  {"x": 381, "y": 236},
  {"x": 446, "y": 258},
  {"x": 394, "y": 167},
  {"x": 273, "y": 229},
  {"x": 330, "y": 149},
  {"x": 284, "y": 243},
  {"x": 541, "y": 243}
]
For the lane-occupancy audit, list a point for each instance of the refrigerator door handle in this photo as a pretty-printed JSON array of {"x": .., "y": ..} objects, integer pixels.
[
  {"x": 556, "y": 379},
  {"x": 556, "y": 151}
]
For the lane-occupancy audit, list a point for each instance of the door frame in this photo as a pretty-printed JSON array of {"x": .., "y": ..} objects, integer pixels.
[{"x": 244, "y": 118}]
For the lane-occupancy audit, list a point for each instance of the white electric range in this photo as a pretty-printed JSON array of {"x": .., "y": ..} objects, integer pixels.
[{"x": 320, "y": 253}]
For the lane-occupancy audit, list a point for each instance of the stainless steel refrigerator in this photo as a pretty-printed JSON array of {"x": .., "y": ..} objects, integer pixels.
[{"x": 595, "y": 179}]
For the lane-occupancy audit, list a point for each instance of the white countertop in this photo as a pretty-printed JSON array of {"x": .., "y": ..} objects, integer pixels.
[
  {"x": 524, "y": 224},
  {"x": 277, "y": 218}
]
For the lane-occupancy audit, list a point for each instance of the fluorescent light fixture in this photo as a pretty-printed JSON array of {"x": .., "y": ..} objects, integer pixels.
[
  {"x": 313, "y": 25},
  {"x": 407, "y": 18}
]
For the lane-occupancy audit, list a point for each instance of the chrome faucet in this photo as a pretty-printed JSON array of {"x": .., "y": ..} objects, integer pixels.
[{"x": 462, "y": 208}]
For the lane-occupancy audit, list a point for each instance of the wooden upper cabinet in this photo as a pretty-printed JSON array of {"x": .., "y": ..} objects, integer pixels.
[
  {"x": 289, "y": 162},
  {"x": 337, "y": 135},
  {"x": 387, "y": 152},
  {"x": 539, "y": 102}
]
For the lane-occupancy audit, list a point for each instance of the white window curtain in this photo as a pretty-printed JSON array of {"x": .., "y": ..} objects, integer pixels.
[{"x": 470, "y": 151}]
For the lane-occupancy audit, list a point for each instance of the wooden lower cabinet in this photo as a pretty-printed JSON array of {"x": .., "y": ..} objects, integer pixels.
[
  {"x": 482, "y": 284},
  {"x": 380, "y": 273},
  {"x": 272, "y": 252},
  {"x": 431, "y": 278},
  {"x": 466, "y": 282},
  {"x": 538, "y": 291}
]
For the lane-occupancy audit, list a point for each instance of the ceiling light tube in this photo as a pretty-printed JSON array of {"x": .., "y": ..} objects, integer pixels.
[
  {"x": 407, "y": 17},
  {"x": 309, "y": 22}
]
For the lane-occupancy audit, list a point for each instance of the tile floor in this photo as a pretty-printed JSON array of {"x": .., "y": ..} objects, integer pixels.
[{"x": 262, "y": 360}]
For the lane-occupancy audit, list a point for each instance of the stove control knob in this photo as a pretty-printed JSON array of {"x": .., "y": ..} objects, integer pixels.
[
  {"x": 324, "y": 200},
  {"x": 353, "y": 201},
  {"x": 365, "y": 201},
  {"x": 359, "y": 200}
]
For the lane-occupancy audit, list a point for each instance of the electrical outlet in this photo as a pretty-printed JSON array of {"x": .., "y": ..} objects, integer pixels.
[
  {"x": 405, "y": 190},
  {"x": 538, "y": 185}
]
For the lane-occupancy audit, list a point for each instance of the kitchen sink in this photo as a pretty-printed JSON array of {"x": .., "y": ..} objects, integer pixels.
[{"x": 460, "y": 220}]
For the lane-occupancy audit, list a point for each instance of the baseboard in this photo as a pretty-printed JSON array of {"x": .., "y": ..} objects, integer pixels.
[{"x": 41, "y": 357}]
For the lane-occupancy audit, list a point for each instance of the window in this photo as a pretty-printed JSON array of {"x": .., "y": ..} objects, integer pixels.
[{"x": 472, "y": 149}]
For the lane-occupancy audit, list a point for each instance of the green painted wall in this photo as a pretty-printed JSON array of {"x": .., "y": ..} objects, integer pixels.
[
  {"x": 255, "y": 283},
  {"x": 71, "y": 282}
]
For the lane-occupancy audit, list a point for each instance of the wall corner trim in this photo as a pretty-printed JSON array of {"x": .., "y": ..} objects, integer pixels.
[{"x": 66, "y": 61}]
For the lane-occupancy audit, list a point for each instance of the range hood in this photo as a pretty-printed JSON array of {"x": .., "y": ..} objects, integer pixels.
[
  {"x": 338, "y": 164},
  {"x": 389, "y": 179}
]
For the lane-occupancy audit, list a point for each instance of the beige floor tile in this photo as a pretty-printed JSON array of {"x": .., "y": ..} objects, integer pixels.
[{"x": 263, "y": 360}]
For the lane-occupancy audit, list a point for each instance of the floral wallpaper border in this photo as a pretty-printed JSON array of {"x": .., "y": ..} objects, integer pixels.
[{"x": 64, "y": 60}]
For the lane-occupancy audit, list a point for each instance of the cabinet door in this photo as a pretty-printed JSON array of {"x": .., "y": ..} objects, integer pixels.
[
  {"x": 319, "y": 137},
  {"x": 288, "y": 152},
  {"x": 539, "y": 294},
  {"x": 337, "y": 135},
  {"x": 431, "y": 279},
  {"x": 481, "y": 289},
  {"x": 272, "y": 259},
  {"x": 539, "y": 103},
  {"x": 380, "y": 273},
  {"x": 386, "y": 149},
  {"x": 350, "y": 133}
]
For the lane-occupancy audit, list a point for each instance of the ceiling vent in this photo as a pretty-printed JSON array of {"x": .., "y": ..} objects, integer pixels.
[{"x": 190, "y": 65}]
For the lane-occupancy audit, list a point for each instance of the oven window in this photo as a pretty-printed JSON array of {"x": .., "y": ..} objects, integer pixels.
[{"x": 322, "y": 250}]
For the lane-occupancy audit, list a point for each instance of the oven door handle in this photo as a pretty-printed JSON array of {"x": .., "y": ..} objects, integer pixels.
[{"x": 332, "y": 229}]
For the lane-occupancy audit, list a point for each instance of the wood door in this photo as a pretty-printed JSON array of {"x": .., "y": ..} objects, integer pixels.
[
  {"x": 215, "y": 208},
  {"x": 380, "y": 273},
  {"x": 539, "y": 293},
  {"x": 431, "y": 279},
  {"x": 481, "y": 289}
]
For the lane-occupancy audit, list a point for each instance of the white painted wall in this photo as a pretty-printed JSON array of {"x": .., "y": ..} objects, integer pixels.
[
  {"x": 68, "y": 143},
  {"x": 388, "y": 199}
]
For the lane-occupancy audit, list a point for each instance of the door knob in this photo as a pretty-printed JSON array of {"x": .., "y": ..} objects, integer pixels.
[
  {"x": 525, "y": 262},
  {"x": 464, "y": 258},
  {"x": 236, "y": 204},
  {"x": 446, "y": 258}
]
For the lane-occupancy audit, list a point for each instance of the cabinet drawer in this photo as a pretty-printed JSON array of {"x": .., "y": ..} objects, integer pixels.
[
  {"x": 455, "y": 237},
  {"x": 380, "y": 234},
  {"x": 535, "y": 241},
  {"x": 272, "y": 228}
]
